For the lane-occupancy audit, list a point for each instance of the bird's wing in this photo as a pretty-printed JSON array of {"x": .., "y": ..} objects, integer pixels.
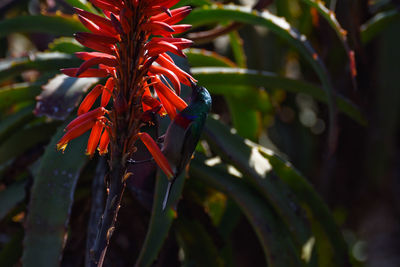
[{"x": 191, "y": 139}]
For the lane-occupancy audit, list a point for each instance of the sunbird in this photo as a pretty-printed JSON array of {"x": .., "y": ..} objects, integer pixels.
[{"x": 184, "y": 132}]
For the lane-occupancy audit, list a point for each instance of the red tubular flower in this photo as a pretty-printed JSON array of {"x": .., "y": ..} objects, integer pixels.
[{"x": 131, "y": 43}]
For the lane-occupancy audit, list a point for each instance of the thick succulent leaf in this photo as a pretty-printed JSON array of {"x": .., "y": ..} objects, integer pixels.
[
  {"x": 24, "y": 139},
  {"x": 197, "y": 244},
  {"x": 14, "y": 121},
  {"x": 223, "y": 13},
  {"x": 160, "y": 221},
  {"x": 51, "y": 200},
  {"x": 192, "y": 3},
  {"x": 229, "y": 78},
  {"x": 18, "y": 93},
  {"x": 82, "y": 4},
  {"x": 257, "y": 170},
  {"x": 237, "y": 49},
  {"x": 61, "y": 95},
  {"x": 201, "y": 57},
  {"x": 274, "y": 237},
  {"x": 11, "y": 196},
  {"x": 60, "y": 25},
  {"x": 235, "y": 150},
  {"x": 245, "y": 120},
  {"x": 330, "y": 16},
  {"x": 330, "y": 243},
  {"x": 377, "y": 24},
  {"x": 12, "y": 67},
  {"x": 66, "y": 45}
]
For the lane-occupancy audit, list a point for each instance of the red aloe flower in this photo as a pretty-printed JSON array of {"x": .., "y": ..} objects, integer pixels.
[{"x": 132, "y": 41}]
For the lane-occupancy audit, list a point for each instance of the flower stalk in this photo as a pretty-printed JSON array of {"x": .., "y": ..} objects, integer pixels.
[{"x": 132, "y": 42}]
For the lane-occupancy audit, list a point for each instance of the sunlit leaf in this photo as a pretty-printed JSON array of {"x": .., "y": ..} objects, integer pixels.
[
  {"x": 276, "y": 242},
  {"x": 60, "y": 25},
  {"x": 222, "y": 77},
  {"x": 66, "y": 45},
  {"x": 330, "y": 242},
  {"x": 202, "y": 57},
  {"x": 12, "y": 67},
  {"x": 61, "y": 95},
  {"x": 222, "y": 13},
  {"x": 257, "y": 170},
  {"x": 82, "y": 4}
]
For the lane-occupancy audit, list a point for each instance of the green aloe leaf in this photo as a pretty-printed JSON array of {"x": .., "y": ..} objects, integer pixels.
[
  {"x": 10, "y": 68},
  {"x": 245, "y": 120},
  {"x": 60, "y": 25},
  {"x": 197, "y": 244},
  {"x": 201, "y": 57},
  {"x": 377, "y": 24},
  {"x": 66, "y": 45},
  {"x": 61, "y": 95},
  {"x": 239, "y": 54},
  {"x": 18, "y": 93},
  {"x": 30, "y": 136},
  {"x": 160, "y": 221},
  {"x": 11, "y": 196},
  {"x": 274, "y": 237},
  {"x": 51, "y": 200},
  {"x": 256, "y": 169},
  {"x": 331, "y": 247},
  {"x": 226, "y": 81},
  {"x": 329, "y": 241},
  {"x": 222, "y": 13},
  {"x": 330, "y": 17},
  {"x": 15, "y": 121},
  {"x": 82, "y": 4}
]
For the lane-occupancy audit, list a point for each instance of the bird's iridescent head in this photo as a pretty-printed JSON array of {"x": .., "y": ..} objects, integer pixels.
[{"x": 200, "y": 93}]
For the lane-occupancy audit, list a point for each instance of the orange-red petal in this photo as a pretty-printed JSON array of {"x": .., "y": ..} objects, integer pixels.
[
  {"x": 171, "y": 110},
  {"x": 89, "y": 116},
  {"x": 74, "y": 132},
  {"x": 95, "y": 61},
  {"x": 107, "y": 91},
  {"x": 104, "y": 141},
  {"x": 158, "y": 156},
  {"x": 175, "y": 100},
  {"x": 94, "y": 138},
  {"x": 89, "y": 100},
  {"x": 100, "y": 73},
  {"x": 169, "y": 74}
]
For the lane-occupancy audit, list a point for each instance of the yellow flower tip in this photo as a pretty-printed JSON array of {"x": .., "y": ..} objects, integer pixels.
[
  {"x": 90, "y": 154},
  {"x": 102, "y": 152},
  {"x": 61, "y": 146}
]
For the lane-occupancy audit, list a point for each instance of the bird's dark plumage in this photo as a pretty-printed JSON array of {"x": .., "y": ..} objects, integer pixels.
[{"x": 184, "y": 133}]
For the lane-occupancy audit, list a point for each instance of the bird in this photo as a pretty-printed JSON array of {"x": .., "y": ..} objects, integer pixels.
[{"x": 183, "y": 133}]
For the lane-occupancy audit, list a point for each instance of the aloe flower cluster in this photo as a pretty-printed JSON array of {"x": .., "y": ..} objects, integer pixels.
[{"x": 131, "y": 42}]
